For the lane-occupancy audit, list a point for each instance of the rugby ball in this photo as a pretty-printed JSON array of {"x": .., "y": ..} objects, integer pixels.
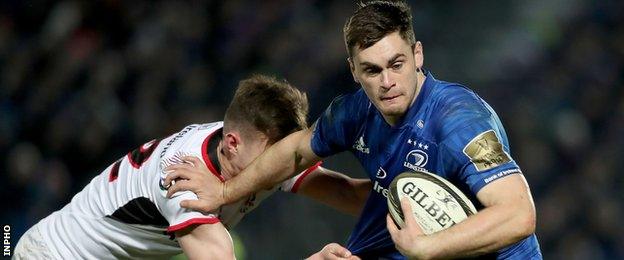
[{"x": 436, "y": 203}]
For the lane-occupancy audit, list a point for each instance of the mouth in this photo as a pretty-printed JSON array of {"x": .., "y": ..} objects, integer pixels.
[{"x": 389, "y": 98}]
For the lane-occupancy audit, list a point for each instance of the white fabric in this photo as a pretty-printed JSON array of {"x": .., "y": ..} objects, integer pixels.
[
  {"x": 81, "y": 229},
  {"x": 32, "y": 246}
]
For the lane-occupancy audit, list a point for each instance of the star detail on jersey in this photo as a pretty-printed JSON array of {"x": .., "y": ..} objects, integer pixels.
[{"x": 419, "y": 144}]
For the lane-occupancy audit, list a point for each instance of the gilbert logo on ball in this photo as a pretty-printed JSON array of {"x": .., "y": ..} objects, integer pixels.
[{"x": 436, "y": 203}]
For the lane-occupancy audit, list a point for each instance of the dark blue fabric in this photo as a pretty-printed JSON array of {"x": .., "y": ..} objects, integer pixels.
[{"x": 432, "y": 136}]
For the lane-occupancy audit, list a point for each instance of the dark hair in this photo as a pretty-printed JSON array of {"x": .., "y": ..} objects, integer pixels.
[
  {"x": 269, "y": 105},
  {"x": 374, "y": 20}
]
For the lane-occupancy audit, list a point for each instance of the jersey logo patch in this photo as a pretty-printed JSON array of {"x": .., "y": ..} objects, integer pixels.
[
  {"x": 486, "y": 152},
  {"x": 361, "y": 146},
  {"x": 381, "y": 173},
  {"x": 416, "y": 160}
]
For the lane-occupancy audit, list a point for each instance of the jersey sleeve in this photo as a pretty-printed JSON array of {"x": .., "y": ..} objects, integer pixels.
[
  {"x": 335, "y": 129},
  {"x": 180, "y": 218},
  {"x": 477, "y": 150},
  {"x": 292, "y": 184}
]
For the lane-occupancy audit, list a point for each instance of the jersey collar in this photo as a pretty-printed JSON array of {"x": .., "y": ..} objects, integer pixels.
[{"x": 209, "y": 153}]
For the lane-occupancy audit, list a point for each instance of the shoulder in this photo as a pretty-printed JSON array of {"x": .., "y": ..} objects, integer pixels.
[
  {"x": 456, "y": 105},
  {"x": 349, "y": 106},
  {"x": 456, "y": 98},
  {"x": 353, "y": 100}
]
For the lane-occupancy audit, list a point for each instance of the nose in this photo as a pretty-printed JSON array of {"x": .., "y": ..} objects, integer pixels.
[{"x": 386, "y": 81}]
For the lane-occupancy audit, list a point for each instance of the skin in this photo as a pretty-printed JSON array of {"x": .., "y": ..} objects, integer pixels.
[
  {"x": 235, "y": 153},
  {"x": 208, "y": 241},
  {"x": 508, "y": 217},
  {"x": 347, "y": 195},
  {"x": 388, "y": 74},
  {"x": 333, "y": 251},
  {"x": 212, "y": 241}
]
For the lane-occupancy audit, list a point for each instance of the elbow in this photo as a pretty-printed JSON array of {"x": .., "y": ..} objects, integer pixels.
[{"x": 525, "y": 223}]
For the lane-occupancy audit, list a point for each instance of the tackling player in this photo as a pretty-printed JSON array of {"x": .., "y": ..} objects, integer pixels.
[
  {"x": 124, "y": 211},
  {"x": 402, "y": 119}
]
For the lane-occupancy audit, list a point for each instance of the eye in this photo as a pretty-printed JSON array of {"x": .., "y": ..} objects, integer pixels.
[
  {"x": 397, "y": 65},
  {"x": 371, "y": 71}
]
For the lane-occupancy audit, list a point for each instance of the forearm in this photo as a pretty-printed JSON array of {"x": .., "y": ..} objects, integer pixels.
[
  {"x": 489, "y": 230},
  {"x": 508, "y": 216},
  {"x": 350, "y": 200},
  {"x": 281, "y": 161},
  {"x": 345, "y": 194}
]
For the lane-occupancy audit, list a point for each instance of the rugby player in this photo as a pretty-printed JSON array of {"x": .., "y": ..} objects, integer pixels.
[
  {"x": 402, "y": 119},
  {"x": 124, "y": 212}
]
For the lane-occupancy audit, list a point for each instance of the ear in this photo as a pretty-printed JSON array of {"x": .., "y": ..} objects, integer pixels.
[
  {"x": 352, "y": 68},
  {"x": 418, "y": 55},
  {"x": 231, "y": 141}
]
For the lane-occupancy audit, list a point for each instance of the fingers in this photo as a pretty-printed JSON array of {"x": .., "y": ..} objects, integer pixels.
[
  {"x": 333, "y": 251},
  {"x": 197, "y": 205},
  {"x": 171, "y": 176},
  {"x": 184, "y": 170},
  {"x": 180, "y": 186},
  {"x": 178, "y": 171},
  {"x": 179, "y": 166},
  {"x": 338, "y": 250},
  {"x": 408, "y": 214},
  {"x": 195, "y": 161},
  {"x": 392, "y": 228}
]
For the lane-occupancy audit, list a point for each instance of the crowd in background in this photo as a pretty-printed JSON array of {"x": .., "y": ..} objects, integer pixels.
[{"x": 83, "y": 82}]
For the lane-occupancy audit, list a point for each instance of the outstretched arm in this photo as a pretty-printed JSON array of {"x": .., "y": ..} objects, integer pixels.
[
  {"x": 341, "y": 192},
  {"x": 206, "y": 241},
  {"x": 281, "y": 161}
]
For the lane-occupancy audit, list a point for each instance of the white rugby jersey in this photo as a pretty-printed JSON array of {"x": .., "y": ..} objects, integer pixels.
[{"x": 124, "y": 212}]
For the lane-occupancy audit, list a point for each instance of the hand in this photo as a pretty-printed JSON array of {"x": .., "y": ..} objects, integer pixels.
[
  {"x": 407, "y": 240},
  {"x": 198, "y": 179},
  {"x": 333, "y": 251}
]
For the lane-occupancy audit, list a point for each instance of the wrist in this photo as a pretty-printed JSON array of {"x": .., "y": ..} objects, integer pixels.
[
  {"x": 420, "y": 248},
  {"x": 426, "y": 248}
]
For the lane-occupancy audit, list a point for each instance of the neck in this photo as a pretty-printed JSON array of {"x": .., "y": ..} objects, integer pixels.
[{"x": 420, "y": 80}]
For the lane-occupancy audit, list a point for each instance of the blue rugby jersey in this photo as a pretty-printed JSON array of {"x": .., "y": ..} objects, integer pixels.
[{"x": 449, "y": 130}]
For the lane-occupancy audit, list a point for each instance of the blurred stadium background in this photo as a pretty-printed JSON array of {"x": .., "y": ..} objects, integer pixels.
[{"x": 83, "y": 82}]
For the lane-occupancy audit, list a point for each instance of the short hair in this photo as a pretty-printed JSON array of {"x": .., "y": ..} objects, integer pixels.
[
  {"x": 374, "y": 20},
  {"x": 269, "y": 105}
]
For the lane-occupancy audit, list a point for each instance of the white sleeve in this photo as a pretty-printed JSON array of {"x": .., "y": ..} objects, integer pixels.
[
  {"x": 292, "y": 184},
  {"x": 178, "y": 217}
]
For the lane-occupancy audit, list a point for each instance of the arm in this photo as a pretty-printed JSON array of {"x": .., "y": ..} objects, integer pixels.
[
  {"x": 333, "y": 251},
  {"x": 291, "y": 155},
  {"x": 206, "y": 241},
  {"x": 508, "y": 216},
  {"x": 282, "y": 160},
  {"x": 336, "y": 190}
]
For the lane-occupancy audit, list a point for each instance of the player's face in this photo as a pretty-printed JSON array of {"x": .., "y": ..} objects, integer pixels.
[
  {"x": 248, "y": 150},
  {"x": 387, "y": 72}
]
